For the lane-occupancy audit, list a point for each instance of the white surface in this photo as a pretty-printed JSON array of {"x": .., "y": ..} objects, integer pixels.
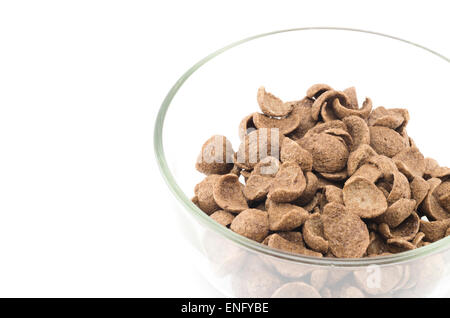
[{"x": 82, "y": 205}]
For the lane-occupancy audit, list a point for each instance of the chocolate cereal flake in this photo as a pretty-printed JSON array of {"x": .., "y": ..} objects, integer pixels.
[{"x": 251, "y": 223}]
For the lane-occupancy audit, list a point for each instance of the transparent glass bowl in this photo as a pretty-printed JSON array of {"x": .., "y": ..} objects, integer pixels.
[{"x": 217, "y": 92}]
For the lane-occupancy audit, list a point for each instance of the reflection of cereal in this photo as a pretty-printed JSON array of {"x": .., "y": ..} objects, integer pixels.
[
  {"x": 379, "y": 280},
  {"x": 254, "y": 280},
  {"x": 351, "y": 292},
  {"x": 296, "y": 290},
  {"x": 319, "y": 278}
]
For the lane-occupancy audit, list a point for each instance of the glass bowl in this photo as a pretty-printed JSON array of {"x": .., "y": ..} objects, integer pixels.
[{"x": 217, "y": 92}]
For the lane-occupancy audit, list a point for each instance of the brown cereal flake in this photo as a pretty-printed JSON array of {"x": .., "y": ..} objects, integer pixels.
[
  {"x": 257, "y": 187},
  {"x": 397, "y": 212},
  {"x": 406, "y": 230},
  {"x": 434, "y": 230},
  {"x": 368, "y": 172},
  {"x": 325, "y": 99},
  {"x": 411, "y": 162},
  {"x": 441, "y": 172},
  {"x": 288, "y": 184},
  {"x": 256, "y": 146},
  {"x": 359, "y": 157},
  {"x": 334, "y": 176},
  {"x": 271, "y": 105},
  {"x": 334, "y": 194},
  {"x": 346, "y": 233},
  {"x": 386, "y": 166},
  {"x": 352, "y": 97},
  {"x": 430, "y": 205},
  {"x": 222, "y": 217},
  {"x": 216, "y": 156},
  {"x": 430, "y": 166},
  {"x": 313, "y": 234},
  {"x": 278, "y": 242},
  {"x": 285, "y": 216},
  {"x": 285, "y": 125},
  {"x": 291, "y": 151},
  {"x": 399, "y": 244},
  {"x": 444, "y": 201},
  {"x": 251, "y": 223},
  {"x": 342, "y": 111},
  {"x": 400, "y": 188},
  {"x": 268, "y": 166},
  {"x": 312, "y": 184},
  {"x": 246, "y": 126},
  {"x": 316, "y": 90},
  {"x": 341, "y": 133},
  {"x": 363, "y": 198},
  {"x": 322, "y": 127},
  {"x": 418, "y": 239},
  {"x": 328, "y": 152},
  {"x": 314, "y": 203},
  {"x": 386, "y": 141},
  {"x": 227, "y": 192},
  {"x": 358, "y": 130},
  {"x": 419, "y": 190},
  {"x": 303, "y": 110},
  {"x": 377, "y": 245},
  {"x": 204, "y": 194},
  {"x": 381, "y": 116}
]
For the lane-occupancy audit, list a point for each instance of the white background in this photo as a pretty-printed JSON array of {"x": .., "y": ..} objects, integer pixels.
[{"x": 81, "y": 199}]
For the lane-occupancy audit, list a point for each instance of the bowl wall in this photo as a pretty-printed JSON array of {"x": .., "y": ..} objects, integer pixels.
[{"x": 221, "y": 92}]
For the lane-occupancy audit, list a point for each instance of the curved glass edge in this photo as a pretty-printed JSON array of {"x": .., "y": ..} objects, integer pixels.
[{"x": 243, "y": 241}]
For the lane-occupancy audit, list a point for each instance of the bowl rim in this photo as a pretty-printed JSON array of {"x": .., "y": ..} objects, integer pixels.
[{"x": 242, "y": 241}]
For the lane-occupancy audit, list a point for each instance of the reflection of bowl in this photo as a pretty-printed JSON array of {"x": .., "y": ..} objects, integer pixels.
[{"x": 222, "y": 89}]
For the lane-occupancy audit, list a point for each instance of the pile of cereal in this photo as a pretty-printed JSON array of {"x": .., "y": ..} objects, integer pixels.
[{"x": 324, "y": 177}]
